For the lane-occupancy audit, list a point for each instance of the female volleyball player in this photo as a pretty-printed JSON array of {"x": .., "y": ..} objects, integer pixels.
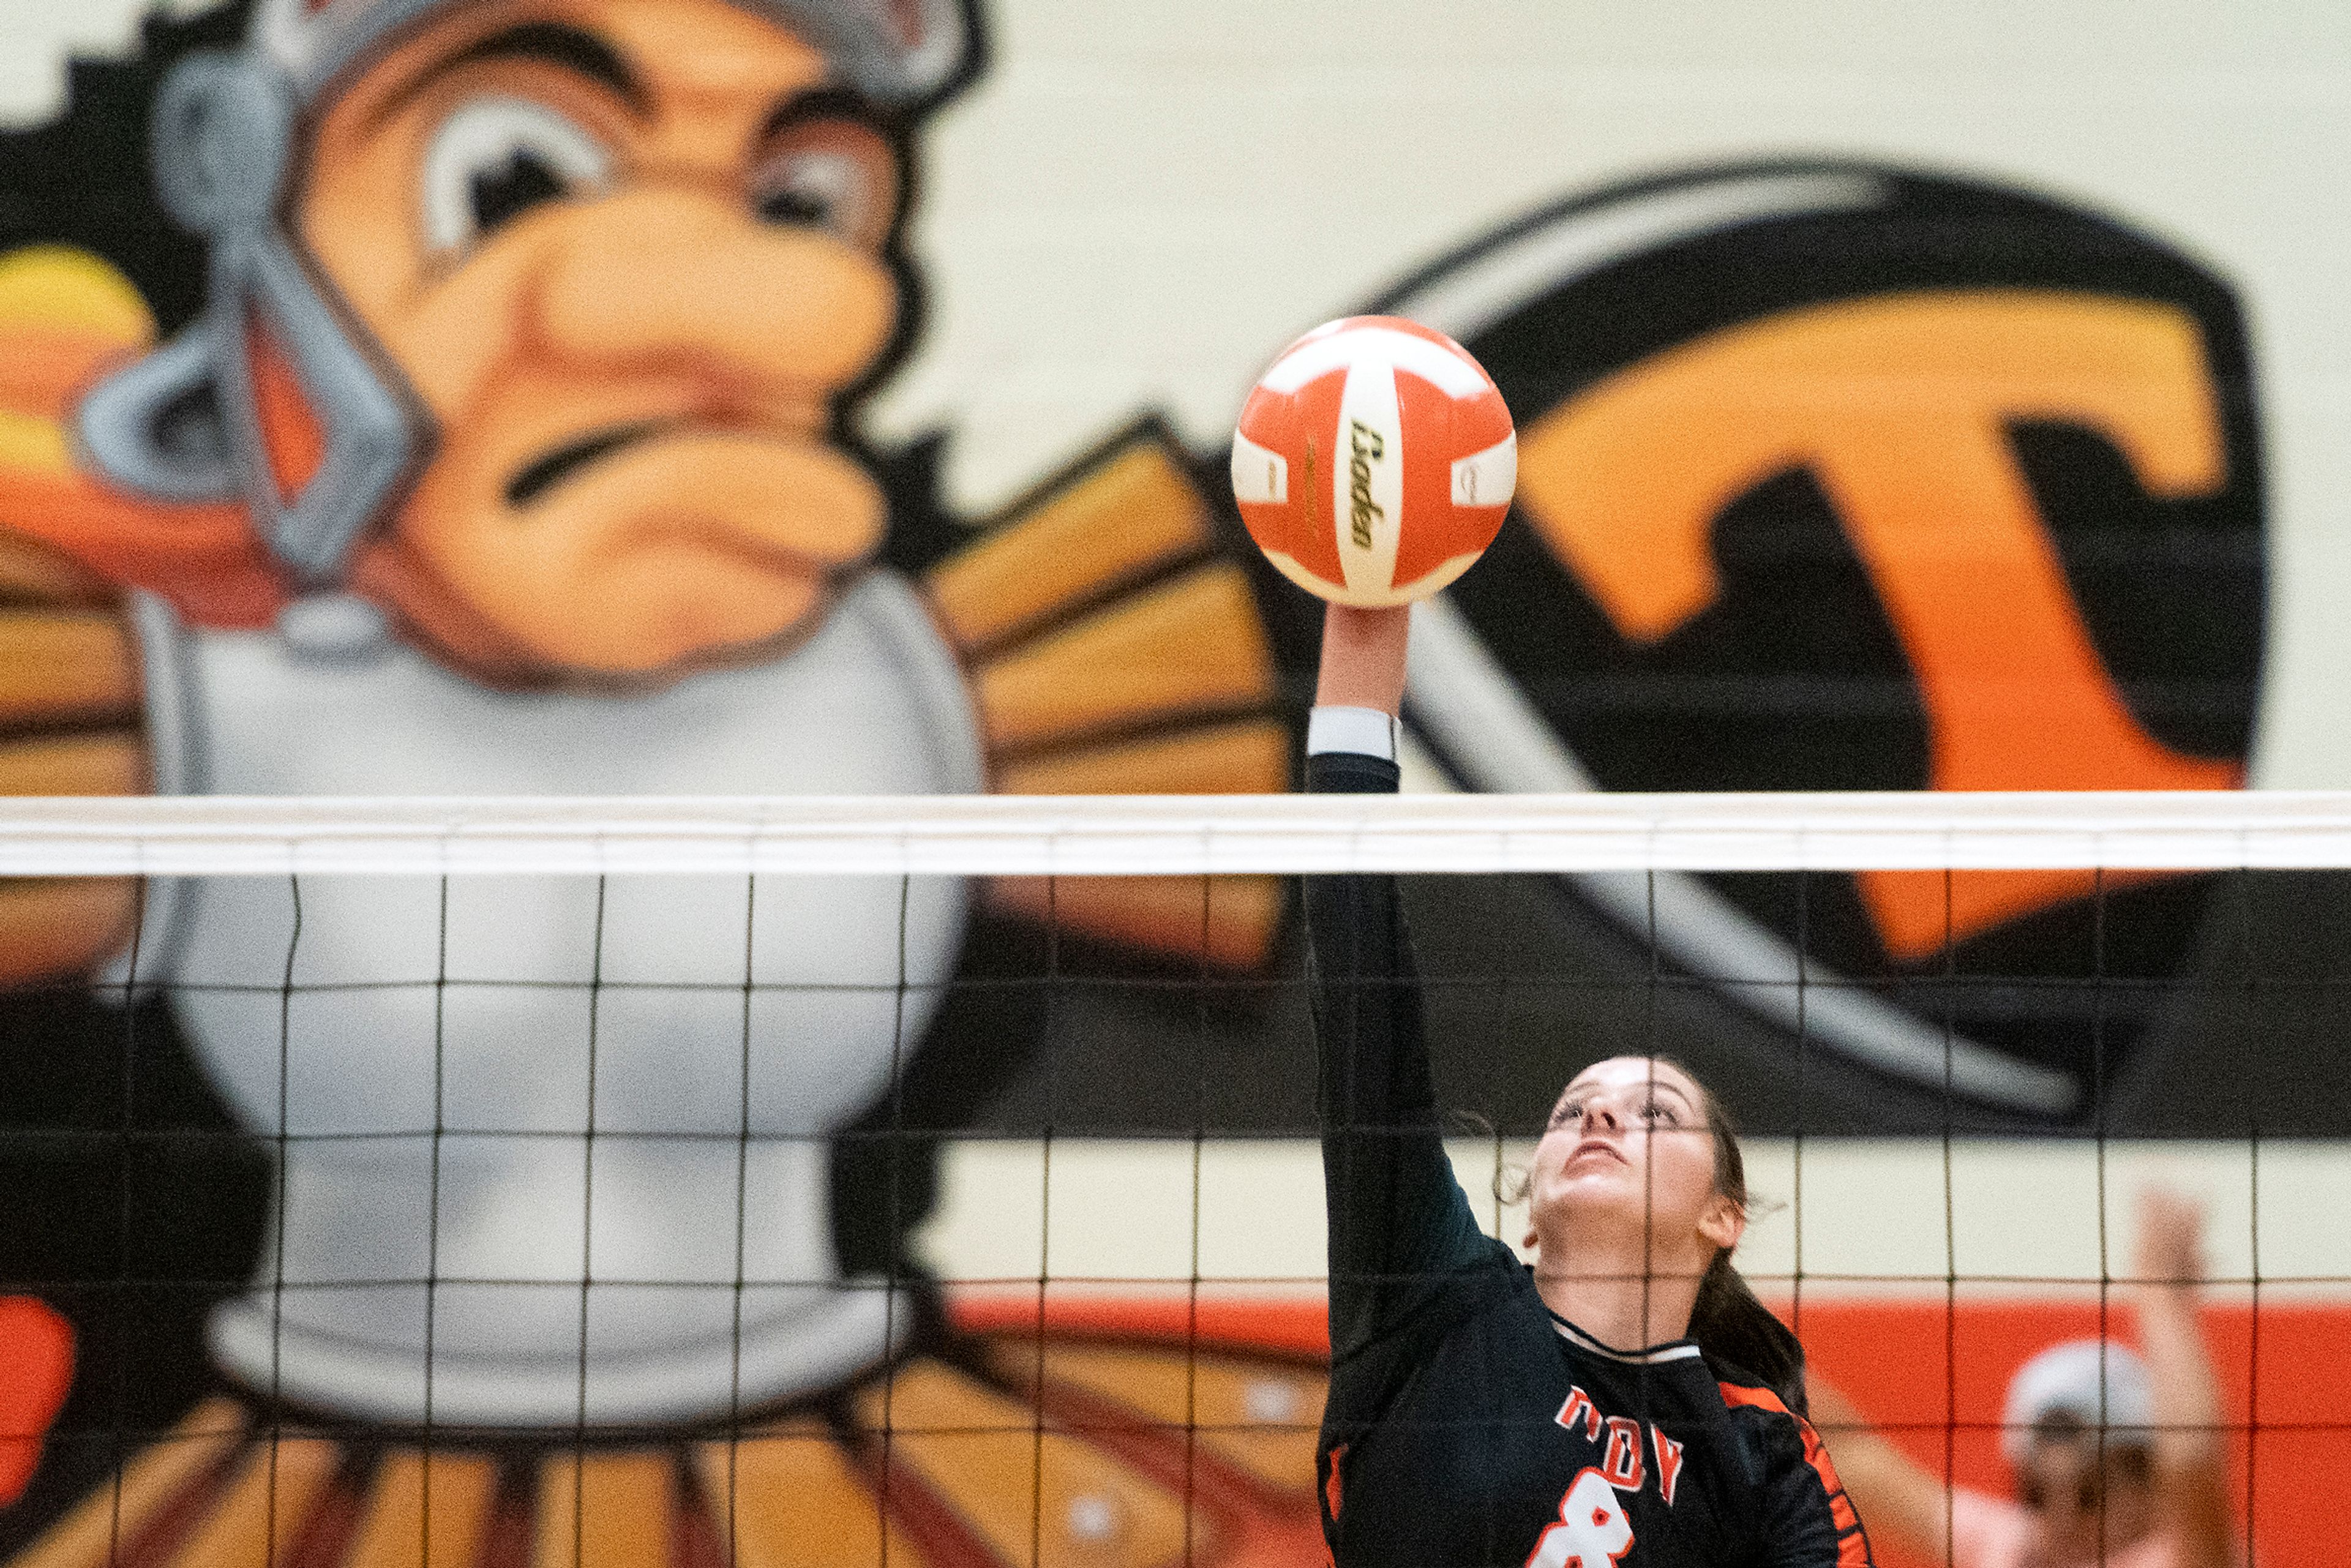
[
  {"x": 2117, "y": 1457},
  {"x": 1624, "y": 1401}
]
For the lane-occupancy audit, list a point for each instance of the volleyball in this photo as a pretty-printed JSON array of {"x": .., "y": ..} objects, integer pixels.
[{"x": 1374, "y": 461}]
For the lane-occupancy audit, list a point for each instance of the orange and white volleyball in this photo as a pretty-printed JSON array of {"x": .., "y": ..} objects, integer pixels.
[{"x": 1374, "y": 461}]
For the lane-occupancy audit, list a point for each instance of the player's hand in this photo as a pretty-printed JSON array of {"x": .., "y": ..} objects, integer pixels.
[
  {"x": 2170, "y": 1250},
  {"x": 1364, "y": 658}
]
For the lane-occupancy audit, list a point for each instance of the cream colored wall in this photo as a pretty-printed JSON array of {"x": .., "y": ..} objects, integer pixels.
[{"x": 2022, "y": 1216}]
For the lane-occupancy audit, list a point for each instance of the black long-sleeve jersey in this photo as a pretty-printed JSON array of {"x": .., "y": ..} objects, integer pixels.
[{"x": 1467, "y": 1424}]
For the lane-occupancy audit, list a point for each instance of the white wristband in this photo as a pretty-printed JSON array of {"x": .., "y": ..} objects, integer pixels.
[{"x": 1364, "y": 730}]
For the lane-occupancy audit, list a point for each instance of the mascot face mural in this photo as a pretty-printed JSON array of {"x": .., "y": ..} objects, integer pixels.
[
  {"x": 628, "y": 254},
  {"x": 532, "y": 323}
]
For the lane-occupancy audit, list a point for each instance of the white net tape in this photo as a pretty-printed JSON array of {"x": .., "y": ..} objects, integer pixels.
[{"x": 1172, "y": 835}]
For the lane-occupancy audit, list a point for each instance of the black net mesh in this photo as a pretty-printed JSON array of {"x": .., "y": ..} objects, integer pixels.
[{"x": 632, "y": 1218}]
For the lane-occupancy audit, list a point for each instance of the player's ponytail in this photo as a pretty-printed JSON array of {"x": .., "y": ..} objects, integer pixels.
[
  {"x": 1730, "y": 1326},
  {"x": 1733, "y": 1328}
]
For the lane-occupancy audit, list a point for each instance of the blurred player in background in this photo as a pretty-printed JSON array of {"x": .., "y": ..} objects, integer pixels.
[{"x": 2118, "y": 1455}]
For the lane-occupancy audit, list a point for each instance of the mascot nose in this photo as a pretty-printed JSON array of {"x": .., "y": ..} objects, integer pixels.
[{"x": 670, "y": 275}]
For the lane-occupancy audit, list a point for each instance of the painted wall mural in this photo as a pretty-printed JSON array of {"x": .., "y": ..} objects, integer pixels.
[{"x": 476, "y": 396}]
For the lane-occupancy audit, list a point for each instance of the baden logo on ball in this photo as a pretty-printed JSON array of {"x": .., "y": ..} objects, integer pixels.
[{"x": 1374, "y": 461}]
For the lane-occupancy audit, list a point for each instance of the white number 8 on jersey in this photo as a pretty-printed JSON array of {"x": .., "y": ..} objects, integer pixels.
[{"x": 1591, "y": 1532}]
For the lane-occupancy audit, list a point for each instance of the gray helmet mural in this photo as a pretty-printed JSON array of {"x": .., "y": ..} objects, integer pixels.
[{"x": 273, "y": 396}]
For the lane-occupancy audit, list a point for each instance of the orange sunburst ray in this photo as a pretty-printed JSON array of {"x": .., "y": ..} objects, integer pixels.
[{"x": 1112, "y": 654}]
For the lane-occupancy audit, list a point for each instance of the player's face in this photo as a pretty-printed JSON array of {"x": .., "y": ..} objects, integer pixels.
[
  {"x": 1629, "y": 1143},
  {"x": 629, "y": 253},
  {"x": 2075, "y": 1501}
]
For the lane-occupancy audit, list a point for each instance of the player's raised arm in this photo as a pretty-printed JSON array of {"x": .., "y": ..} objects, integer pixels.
[
  {"x": 2191, "y": 1483},
  {"x": 1364, "y": 658},
  {"x": 1399, "y": 1224}
]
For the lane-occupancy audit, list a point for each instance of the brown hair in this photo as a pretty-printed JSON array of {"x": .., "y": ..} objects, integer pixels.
[{"x": 1731, "y": 1327}]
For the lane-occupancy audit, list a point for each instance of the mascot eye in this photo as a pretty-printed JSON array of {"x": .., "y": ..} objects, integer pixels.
[
  {"x": 495, "y": 158},
  {"x": 835, "y": 175}
]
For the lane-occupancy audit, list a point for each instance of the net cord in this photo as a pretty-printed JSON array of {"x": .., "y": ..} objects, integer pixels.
[{"x": 1172, "y": 835}]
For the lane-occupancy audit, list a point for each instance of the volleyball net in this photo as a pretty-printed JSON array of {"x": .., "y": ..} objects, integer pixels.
[{"x": 578, "y": 1179}]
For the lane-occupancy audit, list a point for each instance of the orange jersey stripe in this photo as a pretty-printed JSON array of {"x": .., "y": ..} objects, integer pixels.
[{"x": 1853, "y": 1547}]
